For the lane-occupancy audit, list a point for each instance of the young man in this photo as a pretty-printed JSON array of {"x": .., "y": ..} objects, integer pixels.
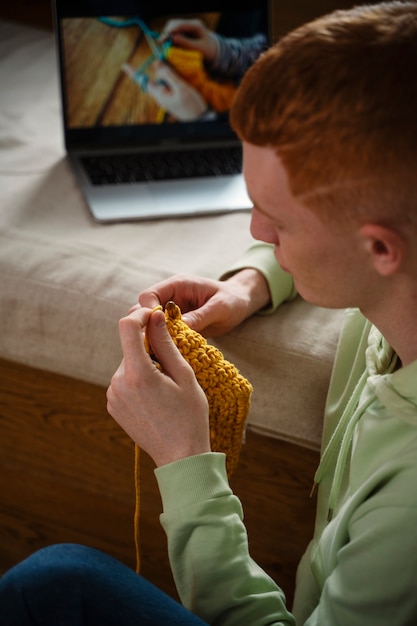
[{"x": 327, "y": 118}]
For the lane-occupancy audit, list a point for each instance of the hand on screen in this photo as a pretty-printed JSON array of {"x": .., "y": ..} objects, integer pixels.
[{"x": 175, "y": 95}]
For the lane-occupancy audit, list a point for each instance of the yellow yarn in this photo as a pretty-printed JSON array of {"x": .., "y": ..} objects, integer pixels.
[
  {"x": 190, "y": 65},
  {"x": 227, "y": 391}
]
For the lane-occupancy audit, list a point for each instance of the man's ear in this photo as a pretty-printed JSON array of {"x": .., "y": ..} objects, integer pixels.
[{"x": 385, "y": 246}]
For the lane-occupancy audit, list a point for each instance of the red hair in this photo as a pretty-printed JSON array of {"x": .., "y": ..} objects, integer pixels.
[{"x": 337, "y": 98}]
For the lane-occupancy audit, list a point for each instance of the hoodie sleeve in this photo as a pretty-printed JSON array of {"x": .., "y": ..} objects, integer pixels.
[
  {"x": 373, "y": 579},
  {"x": 208, "y": 547},
  {"x": 260, "y": 256}
]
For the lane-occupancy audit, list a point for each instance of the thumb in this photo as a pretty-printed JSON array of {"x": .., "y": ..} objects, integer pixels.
[
  {"x": 163, "y": 346},
  {"x": 203, "y": 317},
  {"x": 164, "y": 75}
]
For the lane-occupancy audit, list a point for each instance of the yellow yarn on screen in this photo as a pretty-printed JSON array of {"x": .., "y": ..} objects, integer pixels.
[
  {"x": 227, "y": 391},
  {"x": 190, "y": 65}
]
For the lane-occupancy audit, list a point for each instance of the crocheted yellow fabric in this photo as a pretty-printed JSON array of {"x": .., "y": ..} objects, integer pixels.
[
  {"x": 227, "y": 391},
  {"x": 190, "y": 65}
]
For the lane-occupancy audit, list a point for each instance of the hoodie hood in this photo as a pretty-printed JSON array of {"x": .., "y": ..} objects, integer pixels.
[
  {"x": 393, "y": 391},
  {"x": 379, "y": 381}
]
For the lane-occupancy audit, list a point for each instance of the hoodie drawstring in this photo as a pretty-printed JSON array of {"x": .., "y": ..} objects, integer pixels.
[{"x": 340, "y": 443}]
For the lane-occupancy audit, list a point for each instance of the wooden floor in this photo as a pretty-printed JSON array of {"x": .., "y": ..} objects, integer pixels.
[{"x": 66, "y": 475}]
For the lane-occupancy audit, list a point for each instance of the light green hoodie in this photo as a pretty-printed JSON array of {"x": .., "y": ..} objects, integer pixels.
[{"x": 361, "y": 566}]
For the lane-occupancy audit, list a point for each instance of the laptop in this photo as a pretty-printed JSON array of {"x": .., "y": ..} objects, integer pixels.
[{"x": 145, "y": 114}]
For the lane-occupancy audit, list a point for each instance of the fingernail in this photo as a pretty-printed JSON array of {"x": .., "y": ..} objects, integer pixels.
[{"x": 160, "y": 316}]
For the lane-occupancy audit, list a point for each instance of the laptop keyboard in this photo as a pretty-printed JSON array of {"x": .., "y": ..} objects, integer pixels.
[{"x": 131, "y": 168}]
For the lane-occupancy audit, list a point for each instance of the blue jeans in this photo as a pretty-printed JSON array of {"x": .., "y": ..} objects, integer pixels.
[{"x": 72, "y": 585}]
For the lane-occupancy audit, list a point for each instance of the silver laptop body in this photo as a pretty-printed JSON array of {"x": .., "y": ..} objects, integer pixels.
[{"x": 135, "y": 158}]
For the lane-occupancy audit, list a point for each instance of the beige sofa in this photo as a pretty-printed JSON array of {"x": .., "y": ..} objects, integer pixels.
[{"x": 65, "y": 280}]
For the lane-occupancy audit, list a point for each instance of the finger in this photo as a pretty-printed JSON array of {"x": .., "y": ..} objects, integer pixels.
[
  {"x": 202, "y": 318},
  {"x": 191, "y": 29},
  {"x": 168, "y": 355},
  {"x": 137, "y": 307},
  {"x": 176, "y": 26},
  {"x": 164, "y": 74},
  {"x": 151, "y": 299},
  {"x": 164, "y": 291},
  {"x": 185, "y": 41},
  {"x": 158, "y": 92},
  {"x": 131, "y": 333}
]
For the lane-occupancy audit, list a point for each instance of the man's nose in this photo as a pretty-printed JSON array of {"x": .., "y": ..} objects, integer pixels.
[{"x": 262, "y": 229}]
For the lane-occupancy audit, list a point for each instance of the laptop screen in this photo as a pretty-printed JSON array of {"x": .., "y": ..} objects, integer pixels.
[{"x": 136, "y": 72}]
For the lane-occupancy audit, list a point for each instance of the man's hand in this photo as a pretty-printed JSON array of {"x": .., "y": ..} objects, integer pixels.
[
  {"x": 211, "y": 307},
  {"x": 164, "y": 412}
]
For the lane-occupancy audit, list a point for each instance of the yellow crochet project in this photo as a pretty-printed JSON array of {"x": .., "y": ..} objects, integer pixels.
[{"x": 227, "y": 391}]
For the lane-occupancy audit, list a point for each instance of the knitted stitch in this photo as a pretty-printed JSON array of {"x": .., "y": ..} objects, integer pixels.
[{"x": 227, "y": 391}]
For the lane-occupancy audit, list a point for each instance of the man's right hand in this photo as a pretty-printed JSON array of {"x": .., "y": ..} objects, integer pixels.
[{"x": 211, "y": 307}]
